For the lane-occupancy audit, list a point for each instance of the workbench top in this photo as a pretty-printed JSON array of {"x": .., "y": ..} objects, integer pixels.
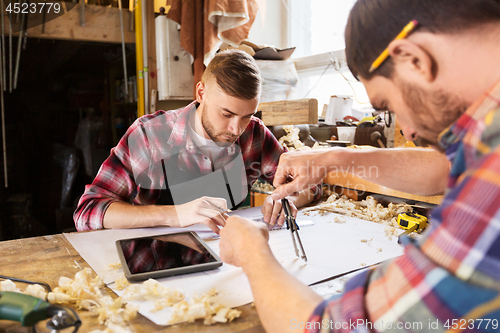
[{"x": 47, "y": 258}]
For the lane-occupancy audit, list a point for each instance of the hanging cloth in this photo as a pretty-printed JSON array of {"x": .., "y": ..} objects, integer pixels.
[{"x": 205, "y": 24}]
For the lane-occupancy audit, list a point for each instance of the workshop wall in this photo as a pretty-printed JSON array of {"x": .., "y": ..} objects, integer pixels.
[{"x": 60, "y": 85}]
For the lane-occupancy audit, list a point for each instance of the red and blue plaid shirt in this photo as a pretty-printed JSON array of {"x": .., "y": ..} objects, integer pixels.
[
  {"x": 450, "y": 279},
  {"x": 150, "y": 138}
]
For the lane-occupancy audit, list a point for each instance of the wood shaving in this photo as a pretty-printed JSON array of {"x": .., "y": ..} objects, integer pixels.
[
  {"x": 292, "y": 140},
  {"x": 203, "y": 307},
  {"x": 115, "y": 265},
  {"x": 36, "y": 290},
  {"x": 339, "y": 220},
  {"x": 121, "y": 283},
  {"x": 113, "y": 328},
  {"x": 262, "y": 185},
  {"x": 367, "y": 241},
  {"x": 391, "y": 231},
  {"x": 85, "y": 293},
  {"x": 8, "y": 285},
  {"x": 368, "y": 209}
]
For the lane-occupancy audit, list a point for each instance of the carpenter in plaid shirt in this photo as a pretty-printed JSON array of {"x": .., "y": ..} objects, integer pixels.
[
  {"x": 443, "y": 83},
  {"x": 175, "y": 168}
]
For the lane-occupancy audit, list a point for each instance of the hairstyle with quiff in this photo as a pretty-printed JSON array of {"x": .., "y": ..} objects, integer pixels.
[
  {"x": 236, "y": 73},
  {"x": 373, "y": 24}
]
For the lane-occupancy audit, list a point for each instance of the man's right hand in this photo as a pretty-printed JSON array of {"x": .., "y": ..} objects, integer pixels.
[
  {"x": 243, "y": 242},
  {"x": 202, "y": 210}
]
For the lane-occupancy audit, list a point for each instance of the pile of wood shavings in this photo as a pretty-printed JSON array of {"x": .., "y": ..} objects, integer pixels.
[
  {"x": 85, "y": 293},
  {"x": 205, "y": 308},
  {"x": 262, "y": 185},
  {"x": 292, "y": 141},
  {"x": 368, "y": 209}
]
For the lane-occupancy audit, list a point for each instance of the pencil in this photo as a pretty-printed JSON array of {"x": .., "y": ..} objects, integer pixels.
[
  {"x": 403, "y": 34},
  {"x": 220, "y": 208}
]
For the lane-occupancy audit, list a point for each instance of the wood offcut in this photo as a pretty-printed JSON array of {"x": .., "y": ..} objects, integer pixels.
[{"x": 291, "y": 112}]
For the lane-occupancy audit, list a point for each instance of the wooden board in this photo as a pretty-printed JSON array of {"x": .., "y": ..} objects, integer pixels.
[
  {"x": 47, "y": 258},
  {"x": 102, "y": 24},
  {"x": 292, "y": 112}
]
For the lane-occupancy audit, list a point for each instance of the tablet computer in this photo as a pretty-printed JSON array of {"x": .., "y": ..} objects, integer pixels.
[{"x": 165, "y": 255}]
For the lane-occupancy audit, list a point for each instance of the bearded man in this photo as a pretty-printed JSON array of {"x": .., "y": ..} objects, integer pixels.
[{"x": 436, "y": 65}]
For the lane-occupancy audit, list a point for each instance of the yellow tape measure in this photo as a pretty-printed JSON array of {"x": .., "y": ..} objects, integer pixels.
[{"x": 412, "y": 221}]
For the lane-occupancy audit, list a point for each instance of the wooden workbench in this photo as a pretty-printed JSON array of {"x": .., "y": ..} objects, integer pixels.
[{"x": 47, "y": 258}]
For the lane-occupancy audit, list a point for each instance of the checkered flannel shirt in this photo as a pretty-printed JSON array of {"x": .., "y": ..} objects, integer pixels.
[{"x": 450, "y": 279}]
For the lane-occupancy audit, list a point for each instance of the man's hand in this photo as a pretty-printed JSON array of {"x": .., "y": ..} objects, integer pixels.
[
  {"x": 273, "y": 211},
  {"x": 241, "y": 240},
  {"x": 202, "y": 210},
  {"x": 305, "y": 168}
]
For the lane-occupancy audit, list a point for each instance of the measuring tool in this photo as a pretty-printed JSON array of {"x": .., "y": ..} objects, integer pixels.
[
  {"x": 291, "y": 224},
  {"x": 411, "y": 222}
]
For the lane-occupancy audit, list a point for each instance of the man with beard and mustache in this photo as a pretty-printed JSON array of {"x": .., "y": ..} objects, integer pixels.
[
  {"x": 442, "y": 80},
  {"x": 187, "y": 166}
]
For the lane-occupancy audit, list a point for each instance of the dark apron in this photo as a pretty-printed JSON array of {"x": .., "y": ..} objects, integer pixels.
[{"x": 225, "y": 182}]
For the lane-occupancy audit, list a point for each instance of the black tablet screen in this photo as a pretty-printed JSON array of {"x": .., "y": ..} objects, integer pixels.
[{"x": 157, "y": 253}]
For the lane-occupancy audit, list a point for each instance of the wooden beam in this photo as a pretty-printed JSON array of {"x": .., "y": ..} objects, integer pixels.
[
  {"x": 102, "y": 24},
  {"x": 291, "y": 112}
]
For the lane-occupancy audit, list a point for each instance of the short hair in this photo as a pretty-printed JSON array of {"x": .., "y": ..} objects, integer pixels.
[
  {"x": 373, "y": 24},
  {"x": 236, "y": 73}
]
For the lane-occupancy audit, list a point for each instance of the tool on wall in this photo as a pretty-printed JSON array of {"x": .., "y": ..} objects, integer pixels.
[
  {"x": 82, "y": 13},
  {"x": 25, "y": 37},
  {"x": 19, "y": 12},
  {"x": 3, "y": 46},
  {"x": 123, "y": 48},
  {"x": 131, "y": 6},
  {"x": 19, "y": 44},
  {"x": 2, "y": 89},
  {"x": 43, "y": 19},
  {"x": 10, "y": 51},
  {"x": 4, "y": 142},
  {"x": 139, "y": 58},
  {"x": 144, "y": 21}
]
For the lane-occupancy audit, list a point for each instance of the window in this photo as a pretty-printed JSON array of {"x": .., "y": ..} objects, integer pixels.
[
  {"x": 317, "y": 26},
  {"x": 316, "y": 29}
]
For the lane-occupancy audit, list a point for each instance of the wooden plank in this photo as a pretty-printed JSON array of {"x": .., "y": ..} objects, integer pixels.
[
  {"x": 348, "y": 180},
  {"x": 47, "y": 258},
  {"x": 102, "y": 24},
  {"x": 291, "y": 112}
]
